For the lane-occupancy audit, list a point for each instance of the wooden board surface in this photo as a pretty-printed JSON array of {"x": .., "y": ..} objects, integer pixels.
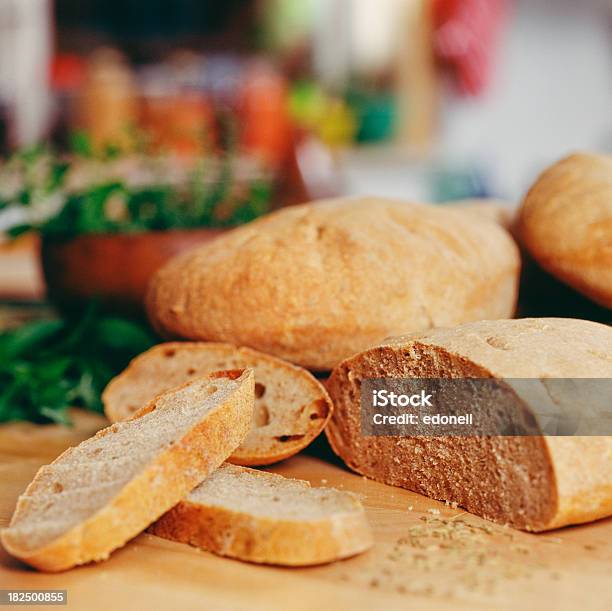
[{"x": 426, "y": 556}]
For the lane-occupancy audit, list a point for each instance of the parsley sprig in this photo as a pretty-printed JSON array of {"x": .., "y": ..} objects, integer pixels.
[
  {"x": 38, "y": 182},
  {"x": 48, "y": 366}
]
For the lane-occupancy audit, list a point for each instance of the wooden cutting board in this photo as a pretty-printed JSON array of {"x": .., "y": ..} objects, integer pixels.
[{"x": 427, "y": 555}]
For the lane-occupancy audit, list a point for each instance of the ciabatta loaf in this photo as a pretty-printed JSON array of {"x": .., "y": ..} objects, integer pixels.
[
  {"x": 266, "y": 518},
  {"x": 316, "y": 283},
  {"x": 98, "y": 495},
  {"x": 291, "y": 406},
  {"x": 565, "y": 222},
  {"x": 531, "y": 482}
]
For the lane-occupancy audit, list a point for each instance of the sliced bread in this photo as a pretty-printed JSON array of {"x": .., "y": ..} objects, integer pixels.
[
  {"x": 532, "y": 482},
  {"x": 98, "y": 495},
  {"x": 267, "y": 518},
  {"x": 291, "y": 406}
]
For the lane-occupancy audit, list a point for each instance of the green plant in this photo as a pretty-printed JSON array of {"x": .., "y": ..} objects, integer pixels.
[
  {"x": 48, "y": 366},
  {"x": 37, "y": 185}
]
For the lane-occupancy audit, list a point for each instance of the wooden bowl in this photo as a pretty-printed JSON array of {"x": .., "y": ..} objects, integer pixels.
[{"x": 113, "y": 268}]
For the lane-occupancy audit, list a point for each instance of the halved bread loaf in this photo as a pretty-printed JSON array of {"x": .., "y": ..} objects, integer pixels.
[
  {"x": 532, "y": 482},
  {"x": 291, "y": 406},
  {"x": 266, "y": 518},
  {"x": 98, "y": 495}
]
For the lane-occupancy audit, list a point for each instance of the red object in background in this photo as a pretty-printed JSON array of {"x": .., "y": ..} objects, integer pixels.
[
  {"x": 67, "y": 72},
  {"x": 183, "y": 123},
  {"x": 266, "y": 127},
  {"x": 466, "y": 33}
]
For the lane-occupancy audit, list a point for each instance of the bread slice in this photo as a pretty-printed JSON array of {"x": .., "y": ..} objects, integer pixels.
[
  {"x": 98, "y": 495},
  {"x": 291, "y": 406},
  {"x": 532, "y": 482},
  {"x": 266, "y": 518}
]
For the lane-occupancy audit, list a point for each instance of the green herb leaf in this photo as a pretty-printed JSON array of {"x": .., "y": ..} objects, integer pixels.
[
  {"x": 26, "y": 338},
  {"x": 17, "y": 230},
  {"x": 200, "y": 200},
  {"x": 122, "y": 334},
  {"x": 80, "y": 144},
  {"x": 48, "y": 366}
]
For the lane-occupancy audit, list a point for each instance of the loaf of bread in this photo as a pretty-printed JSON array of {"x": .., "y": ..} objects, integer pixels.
[
  {"x": 565, "y": 223},
  {"x": 100, "y": 494},
  {"x": 532, "y": 482},
  {"x": 266, "y": 518},
  {"x": 291, "y": 406},
  {"x": 316, "y": 283}
]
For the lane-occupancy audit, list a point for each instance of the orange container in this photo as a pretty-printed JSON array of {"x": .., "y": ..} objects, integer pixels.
[
  {"x": 114, "y": 268},
  {"x": 266, "y": 129},
  {"x": 182, "y": 123}
]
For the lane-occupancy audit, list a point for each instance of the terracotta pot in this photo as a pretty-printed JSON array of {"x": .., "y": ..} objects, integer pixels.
[{"x": 113, "y": 268}]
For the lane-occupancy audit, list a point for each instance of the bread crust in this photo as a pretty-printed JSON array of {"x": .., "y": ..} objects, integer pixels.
[
  {"x": 569, "y": 478},
  {"x": 565, "y": 222},
  {"x": 157, "y": 488},
  {"x": 315, "y": 283},
  {"x": 311, "y": 415},
  {"x": 266, "y": 540}
]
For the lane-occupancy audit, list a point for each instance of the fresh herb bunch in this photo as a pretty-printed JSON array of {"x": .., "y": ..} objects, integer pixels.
[
  {"x": 48, "y": 366},
  {"x": 109, "y": 192}
]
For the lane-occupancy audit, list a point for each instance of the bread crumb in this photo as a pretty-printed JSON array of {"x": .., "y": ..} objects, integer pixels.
[
  {"x": 438, "y": 545},
  {"x": 410, "y": 508}
]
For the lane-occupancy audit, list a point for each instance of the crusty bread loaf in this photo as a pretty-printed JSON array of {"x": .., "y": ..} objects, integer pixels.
[
  {"x": 565, "y": 223},
  {"x": 291, "y": 406},
  {"x": 98, "y": 495},
  {"x": 531, "y": 482},
  {"x": 266, "y": 518},
  {"x": 316, "y": 283}
]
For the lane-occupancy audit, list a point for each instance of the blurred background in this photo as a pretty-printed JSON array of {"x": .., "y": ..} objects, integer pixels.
[
  {"x": 118, "y": 116},
  {"x": 482, "y": 92},
  {"x": 131, "y": 130}
]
